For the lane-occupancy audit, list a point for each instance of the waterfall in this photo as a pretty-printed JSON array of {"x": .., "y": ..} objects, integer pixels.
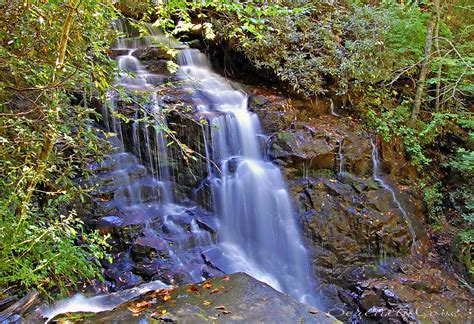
[
  {"x": 139, "y": 170},
  {"x": 258, "y": 233},
  {"x": 377, "y": 175},
  {"x": 332, "y": 110},
  {"x": 148, "y": 143}
]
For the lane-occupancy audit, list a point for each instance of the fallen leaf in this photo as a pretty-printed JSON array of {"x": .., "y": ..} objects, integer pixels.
[
  {"x": 166, "y": 298},
  {"x": 206, "y": 303},
  {"x": 142, "y": 304},
  {"x": 215, "y": 291},
  {"x": 225, "y": 312},
  {"x": 164, "y": 311},
  {"x": 313, "y": 311},
  {"x": 207, "y": 285},
  {"x": 194, "y": 289},
  {"x": 226, "y": 278},
  {"x": 222, "y": 307}
]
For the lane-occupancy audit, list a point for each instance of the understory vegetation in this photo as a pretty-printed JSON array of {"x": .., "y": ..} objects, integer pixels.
[
  {"x": 50, "y": 52},
  {"x": 405, "y": 67}
]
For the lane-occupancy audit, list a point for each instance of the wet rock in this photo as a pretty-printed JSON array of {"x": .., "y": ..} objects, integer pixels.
[
  {"x": 234, "y": 298},
  {"x": 206, "y": 226},
  {"x": 370, "y": 299},
  {"x": 149, "y": 245},
  {"x": 203, "y": 195},
  {"x": 346, "y": 223},
  {"x": 233, "y": 164},
  {"x": 175, "y": 276},
  {"x": 272, "y": 110},
  {"x": 153, "y": 268},
  {"x": 358, "y": 184},
  {"x": 159, "y": 67},
  {"x": 107, "y": 224},
  {"x": 381, "y": 200},
  {"x": 358, "y": 154},
  {"x": 215, "y": 258},
  {"x": 299, "y": 149},
  {"x": 257, "y": 102},
  {"x": 120, "y": 273},
  {"x": 151, "y": 54},
  {"x": 119, "y": 266},
  {"x": 127, "y": 280}
]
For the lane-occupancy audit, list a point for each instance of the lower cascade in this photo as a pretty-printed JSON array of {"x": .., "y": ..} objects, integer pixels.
[{"x": 258, "y": 233}]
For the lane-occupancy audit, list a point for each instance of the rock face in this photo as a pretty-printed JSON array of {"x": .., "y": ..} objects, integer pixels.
[
  {"x": 233, "y": 298},
  {"x": 335, "y": 215},
  {"x": 359, "y": 240}
]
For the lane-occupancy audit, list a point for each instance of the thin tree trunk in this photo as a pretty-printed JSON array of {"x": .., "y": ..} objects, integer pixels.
[
  {"x": 47, "y": 148},
  {"x": 436, "y": 44},
  {"x": 420, "y": 88}
]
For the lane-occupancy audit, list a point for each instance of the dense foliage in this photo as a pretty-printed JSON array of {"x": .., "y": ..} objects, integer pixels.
[{"x": 50, "y": 50}]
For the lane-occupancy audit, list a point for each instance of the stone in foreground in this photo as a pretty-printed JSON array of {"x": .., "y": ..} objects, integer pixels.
[{"x": 233, "y": 298}]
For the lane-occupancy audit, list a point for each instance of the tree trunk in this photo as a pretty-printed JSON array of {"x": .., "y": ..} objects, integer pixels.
[
  {"x": 425, "y": 63},
  {"x": 50, "y": 137},
  {"x": 436, "y": 44}
]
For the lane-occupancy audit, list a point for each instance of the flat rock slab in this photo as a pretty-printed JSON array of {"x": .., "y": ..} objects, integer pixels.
[{"x": 232, "y": 298}]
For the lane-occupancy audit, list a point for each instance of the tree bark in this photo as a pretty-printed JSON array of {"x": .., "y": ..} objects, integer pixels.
[
  {"x": 436, "y": 44},
  {"x": 425, "y": 63}
]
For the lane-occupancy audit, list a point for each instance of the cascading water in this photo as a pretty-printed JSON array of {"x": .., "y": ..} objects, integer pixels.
[
  {"x": 149, "y": 195},
  {"x": 377, "y": 175},
  {"x": 332, "y": 110},
  {"x": 257, "y": 233}
]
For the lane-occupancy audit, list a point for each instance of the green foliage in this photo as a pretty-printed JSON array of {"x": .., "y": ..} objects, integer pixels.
[
  {"x": 391, "y": 122},
  {"x": 406, "y": 38},
  {"x": 49, "y": 51},
  {"x": 316, "y": 46},
  {"x": 433, "y": 197}
]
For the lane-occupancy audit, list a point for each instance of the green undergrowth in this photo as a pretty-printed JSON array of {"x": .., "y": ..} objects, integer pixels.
[{"x": 53, "y": 58}]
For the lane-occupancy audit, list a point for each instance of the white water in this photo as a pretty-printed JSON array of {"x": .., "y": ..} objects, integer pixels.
[
  {"x": 377, "y": 175},
  {"x": 96, "y": 304},
  {"x": 332, "y": 110},
  {"x": 258, "y": 233}
]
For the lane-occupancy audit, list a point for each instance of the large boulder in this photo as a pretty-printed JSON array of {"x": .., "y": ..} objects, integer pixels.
[{"x": 233, "y": 298}]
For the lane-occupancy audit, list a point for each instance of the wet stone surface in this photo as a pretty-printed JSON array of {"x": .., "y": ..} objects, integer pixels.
[{"x": 233, "y": 298}]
